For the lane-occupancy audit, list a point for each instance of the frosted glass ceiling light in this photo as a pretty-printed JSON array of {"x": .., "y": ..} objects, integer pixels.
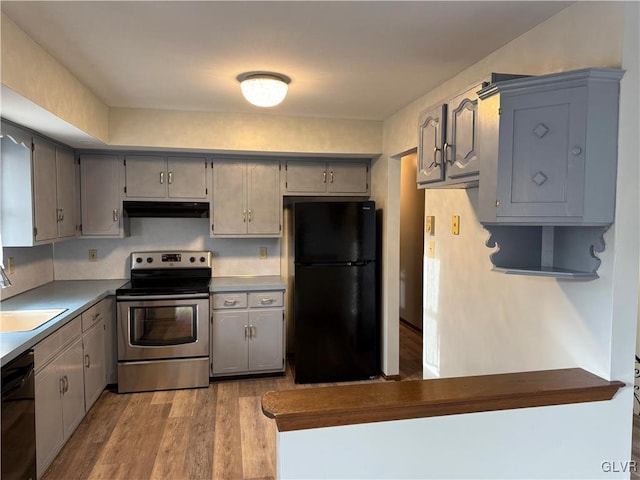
[{"x": 264, "y": 89}]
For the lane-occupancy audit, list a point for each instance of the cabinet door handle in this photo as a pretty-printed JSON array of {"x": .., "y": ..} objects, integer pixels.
[
  {"x": 66, "y": 384},
  {"x": 252, "y": 332},
  {"x": 249, "y": 215},
  {"x": 435, "y": 160},
  {"x": 87, "y": 361},
  {"x": 161, "y": 178},
  {"x": 61, "y": 385},
  {"x": 116, "y": 215},
  {"x": 447, "y": 158},
  {"x": 331, "y": 177},
  {"x": 244, "y": 216},
  {"x": 230, "y": 302},
  {"x": 324, "y": 177},
  {"x": 266, "y": 301},
  {"x": 246, "y": 331},
  {"x": 170, "y": 178}
]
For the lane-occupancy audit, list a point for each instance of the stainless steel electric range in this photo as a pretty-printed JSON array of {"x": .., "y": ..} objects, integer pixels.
[{"x": 163, "y": 322}]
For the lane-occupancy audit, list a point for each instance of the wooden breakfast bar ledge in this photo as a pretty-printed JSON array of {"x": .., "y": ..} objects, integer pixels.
[{"x": 379, "y": 402}]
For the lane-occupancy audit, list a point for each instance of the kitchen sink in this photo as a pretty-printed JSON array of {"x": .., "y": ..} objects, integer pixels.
[{"x": 25, "y": 320}]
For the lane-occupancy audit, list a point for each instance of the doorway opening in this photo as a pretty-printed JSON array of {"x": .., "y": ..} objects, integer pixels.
[{"x": 411, "y": 264}]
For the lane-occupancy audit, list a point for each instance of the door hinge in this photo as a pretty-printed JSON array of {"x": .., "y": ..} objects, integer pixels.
[
  {"x": 33, "y": 147},
  {"x": 500, "y": 111},
  {"x": 367, "y": 168},
  {"x": 286, "y": 166},
  {"x": 80, "y": 228},
  {"x": 35, "y": 232},
  {"x": 206, "y": 191},
  {"x": 286, "y": 184},
  {"x": 212, "y": 227},
  {"x": 125, "y": 189},
  {"x": 124, "y": 162},
  {"x": 367, "y": 186},
  {"x": 211, "y": 164},
  {"x": 280, "y": 227}
]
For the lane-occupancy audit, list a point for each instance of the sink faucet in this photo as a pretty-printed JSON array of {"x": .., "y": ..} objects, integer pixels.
[{"x": 4, "y": 279}]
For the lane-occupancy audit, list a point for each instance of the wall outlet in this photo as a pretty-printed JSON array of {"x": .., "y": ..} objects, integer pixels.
[
  {"x": 93, "y": 255},
  {"x": 431, "y": 248},
  {"x": 11, "y": 267},
  {"x": 455, "y": 225},
  {"x": 262, "y": 253}
]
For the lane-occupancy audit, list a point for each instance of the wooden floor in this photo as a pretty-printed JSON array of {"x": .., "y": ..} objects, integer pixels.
[{"x": 217, "y": 432}]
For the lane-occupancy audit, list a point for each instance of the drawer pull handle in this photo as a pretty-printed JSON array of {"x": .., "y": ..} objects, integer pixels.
[
  {"x": 96, "y": 317},
  {"x": 266, "y": 301},
  {"x": 230, "y": 302},
  {"x": 87, "y": 361}
]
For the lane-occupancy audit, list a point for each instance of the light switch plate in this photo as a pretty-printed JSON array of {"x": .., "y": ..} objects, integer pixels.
[
  {"x": 11, "y": 267},
  {"x": 430, "y": 225},
  {"x": 93, "y": 255},
  {"x": 455, "y": 225},
  {"x": 263, "y": 253}
]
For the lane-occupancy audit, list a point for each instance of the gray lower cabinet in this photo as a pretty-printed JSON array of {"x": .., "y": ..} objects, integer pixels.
[
  {"x": 70, "y": 375},
  {"x": 59, "y": 391},
  {"x": 327, "y": 177},
  {"x": 247, "y": 333},
  {"x": 101, "y": 206},
  {"x": 246, "y": 199}
]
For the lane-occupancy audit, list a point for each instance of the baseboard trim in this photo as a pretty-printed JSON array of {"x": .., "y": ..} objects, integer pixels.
[{"x": 390, "y": 378}]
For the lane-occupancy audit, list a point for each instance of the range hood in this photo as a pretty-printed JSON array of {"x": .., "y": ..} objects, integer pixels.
[{"x": 166, "y": 209}]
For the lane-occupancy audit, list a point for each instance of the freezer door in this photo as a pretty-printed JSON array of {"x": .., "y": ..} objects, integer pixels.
[
  {"x": 334, "y": 232},
  {"x": 336, "y": 324}
]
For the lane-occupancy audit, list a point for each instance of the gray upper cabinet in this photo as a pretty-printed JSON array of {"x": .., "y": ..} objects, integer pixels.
[
  {"x": 246, "y": 198},
  {"x": 548, "y": 173},
  {"x": 327, "y": 177},
  {"x": 38, "y": 190},
  {"x": 549, "y": 149},
  {"x": 101, "y": 204},
  {"x": 165, "y": 177},
  {"x": 430, "y": 145},
  {"x": 447, "y": 142}
]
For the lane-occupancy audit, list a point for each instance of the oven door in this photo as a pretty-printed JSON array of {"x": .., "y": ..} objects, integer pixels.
[{"x": 162, "y": 327}]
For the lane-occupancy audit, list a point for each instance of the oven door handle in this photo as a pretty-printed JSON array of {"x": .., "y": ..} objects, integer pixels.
[{"x": 129, "y": 298}]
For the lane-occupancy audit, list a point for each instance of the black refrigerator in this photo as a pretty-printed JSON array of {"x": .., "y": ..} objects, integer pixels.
[{"x": 335, "y": 292}]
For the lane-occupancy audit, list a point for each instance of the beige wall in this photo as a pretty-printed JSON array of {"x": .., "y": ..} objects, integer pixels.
[
  {"x": 587, "y": 34},
  {"x": 411, "y": 243},
  {"x": 30, "y": 71},
  {"x": 243, "y": 132}
]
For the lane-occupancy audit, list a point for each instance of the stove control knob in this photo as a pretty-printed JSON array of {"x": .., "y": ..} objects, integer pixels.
[
  {"x": 149, "y": 259},
  {"x": 139, "y": 260},
  {"x": 192, "y": 259},
  {"x": 202, "y": 259}
]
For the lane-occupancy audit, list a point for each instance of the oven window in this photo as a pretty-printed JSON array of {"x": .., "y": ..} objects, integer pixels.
[{"x": 157, "y": 326}]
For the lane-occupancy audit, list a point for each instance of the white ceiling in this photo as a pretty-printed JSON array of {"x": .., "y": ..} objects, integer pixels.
[{"x": 361, "y": 60}]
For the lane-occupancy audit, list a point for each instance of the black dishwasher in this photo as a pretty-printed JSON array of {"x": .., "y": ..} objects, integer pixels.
[{"x": 18, "y": 419}]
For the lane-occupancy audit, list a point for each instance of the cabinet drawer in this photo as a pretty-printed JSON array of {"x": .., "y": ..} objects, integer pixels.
[
  {"x": 229, "y": 300},
  {"x": 94, "y": 314},
  {"x": 265, "y": 299},
  {"x": 54, "y": 343}
]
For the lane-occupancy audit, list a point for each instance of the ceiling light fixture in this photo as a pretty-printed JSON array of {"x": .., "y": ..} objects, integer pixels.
[{"x": 264, "y": 89}]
